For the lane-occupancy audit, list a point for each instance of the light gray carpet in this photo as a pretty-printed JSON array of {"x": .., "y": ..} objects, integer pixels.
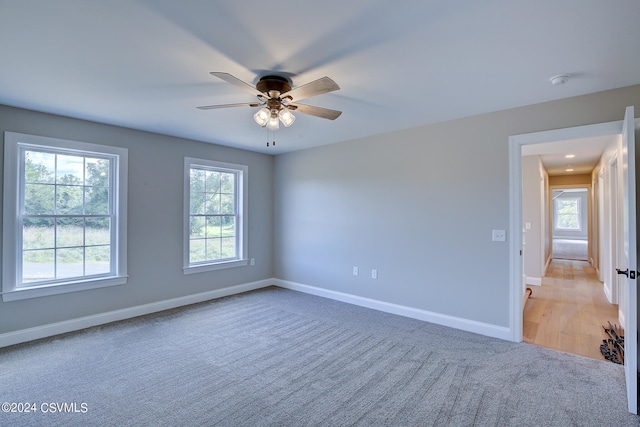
[
  {"x": 570, "y": 249},
  {"x": 282, "y": 358}
]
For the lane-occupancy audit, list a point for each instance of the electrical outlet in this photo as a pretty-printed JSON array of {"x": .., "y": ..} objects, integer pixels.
[
  {"x": 253, "y": 261},
  {"x": 499, "y": 236},
  {"x": 355, "y": 271},
  {"x": 374, "y": 274}
]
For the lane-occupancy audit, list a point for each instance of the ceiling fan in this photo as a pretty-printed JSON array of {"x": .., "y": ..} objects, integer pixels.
[{"x": 278, "y": 99}]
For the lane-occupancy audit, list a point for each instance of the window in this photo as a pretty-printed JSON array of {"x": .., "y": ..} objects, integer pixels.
[
  {"x": 567, "y": 213},
  {"x": 64, "y": 220},
  {"x": 215, "y": 225}
]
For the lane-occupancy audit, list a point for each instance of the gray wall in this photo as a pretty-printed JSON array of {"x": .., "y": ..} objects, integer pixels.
[
  {"x": 418, "y": 205},
  {"x": 155, "y": 220},
  {"x": 532, "y": 211}
]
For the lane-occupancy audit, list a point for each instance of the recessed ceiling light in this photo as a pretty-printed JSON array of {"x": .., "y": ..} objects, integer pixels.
[{"x": 570, "y": 156}]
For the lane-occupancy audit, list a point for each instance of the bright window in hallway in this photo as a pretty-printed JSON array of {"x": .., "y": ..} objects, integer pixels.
[{"x": 567, "y": 213}]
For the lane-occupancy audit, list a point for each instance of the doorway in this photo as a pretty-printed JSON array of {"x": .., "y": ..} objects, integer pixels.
[
  {"x": 568, "y": 307},
  {"x": 544, "y": 142},
  {"x": 625, "y": 152}
]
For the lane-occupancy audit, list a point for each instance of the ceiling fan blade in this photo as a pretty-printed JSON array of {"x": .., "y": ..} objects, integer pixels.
[
  {"x": 323, "y": 113},
  {"x": 237, "y": 82},
  {"x": 316, "y": 87},
  {"x": 241, "y": 104}
]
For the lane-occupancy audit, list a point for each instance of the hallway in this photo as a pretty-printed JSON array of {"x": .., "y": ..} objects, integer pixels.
[{"x": 568, "y": 311}]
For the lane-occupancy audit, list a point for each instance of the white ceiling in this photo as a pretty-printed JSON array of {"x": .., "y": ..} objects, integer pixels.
[
  {"x": 145, "y": 64},
  {"x": 587, "y": 153}
]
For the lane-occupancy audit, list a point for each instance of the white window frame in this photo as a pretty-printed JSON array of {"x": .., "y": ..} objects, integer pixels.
[
  {"x": 557, "y": 216},
  {"x": 241, "y": 193},
  {"x": 13, "y": 187}
]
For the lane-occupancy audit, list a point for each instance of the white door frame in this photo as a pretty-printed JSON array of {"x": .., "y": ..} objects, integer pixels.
[
  {"x": 600, "y": 230},
  {"x": 614, "y": 228},
  {"x": 516, "y": 142}
]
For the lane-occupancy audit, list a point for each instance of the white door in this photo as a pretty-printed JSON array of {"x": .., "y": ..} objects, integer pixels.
[{"x": 628, "y": 282}]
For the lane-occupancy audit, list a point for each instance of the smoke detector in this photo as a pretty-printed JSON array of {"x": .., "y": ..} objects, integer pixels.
[{"x": 559, "y": 79}]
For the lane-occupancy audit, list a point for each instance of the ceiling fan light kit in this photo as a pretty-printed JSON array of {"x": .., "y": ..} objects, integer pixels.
[
  {"x": 278, "y": 99},
  {"x": 286, "y": 117},
  {"x": 262, "y": 116},
  {"x": 273, "y": 124}
]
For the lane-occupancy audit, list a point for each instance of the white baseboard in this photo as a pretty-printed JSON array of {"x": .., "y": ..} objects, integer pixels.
[
  {"x": 29, "y": 334},
  {"x": 607, "y": 293},
  {"x": 44, "y": 331},
  {"x": 427, "y": 316},
  {"x": 535, "y": 281}
]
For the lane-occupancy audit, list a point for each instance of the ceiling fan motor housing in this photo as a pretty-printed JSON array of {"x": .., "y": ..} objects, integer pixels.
[{"x": 273, "y": 84}]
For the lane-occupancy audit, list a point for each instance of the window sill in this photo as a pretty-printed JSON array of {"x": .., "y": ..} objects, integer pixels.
[
  {"x": 56, "y": 289},
  {"x": 216, "y": 266}
]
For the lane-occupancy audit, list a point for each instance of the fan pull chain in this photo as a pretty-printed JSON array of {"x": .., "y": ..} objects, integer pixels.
[{"x": 273, "y": 138}]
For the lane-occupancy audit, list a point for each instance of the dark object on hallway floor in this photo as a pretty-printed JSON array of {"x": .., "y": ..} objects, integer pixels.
[{"x": 613, "y": 347}]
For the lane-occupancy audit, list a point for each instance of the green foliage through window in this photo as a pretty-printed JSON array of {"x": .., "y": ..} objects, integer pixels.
[
  {"x": 213, "y": 215},
  {"x": 66, "y": 216},
  {"x": 567, "y": 213}
]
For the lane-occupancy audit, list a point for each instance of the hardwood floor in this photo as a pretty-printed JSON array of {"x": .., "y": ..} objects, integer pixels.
[{"x": 567, "y": 312}]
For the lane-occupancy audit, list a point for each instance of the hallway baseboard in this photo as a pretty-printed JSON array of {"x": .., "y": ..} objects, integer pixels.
[{"x": 535, "y": 281}]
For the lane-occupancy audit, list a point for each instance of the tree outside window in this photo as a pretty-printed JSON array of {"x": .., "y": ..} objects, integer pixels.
[
  {"x": 213, "y": 214},
  {"x": 567, "y": 212},
  {"x": 64, "y": 216},
  {"x": 215, "y": 220}
]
